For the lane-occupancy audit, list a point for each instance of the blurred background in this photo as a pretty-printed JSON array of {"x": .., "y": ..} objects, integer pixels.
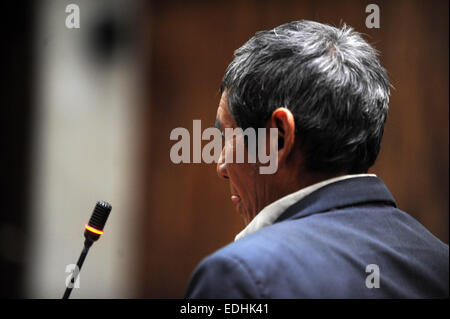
[{"x": 87, "y": 114}]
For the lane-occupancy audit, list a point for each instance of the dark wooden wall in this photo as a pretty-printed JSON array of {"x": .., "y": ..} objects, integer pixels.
[
  {"x": 188, "y": 211},
  {"x": 16, "y": 113}
]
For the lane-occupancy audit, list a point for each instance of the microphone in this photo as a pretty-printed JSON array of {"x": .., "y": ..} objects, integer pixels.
[{"x": 93, "y": 231}]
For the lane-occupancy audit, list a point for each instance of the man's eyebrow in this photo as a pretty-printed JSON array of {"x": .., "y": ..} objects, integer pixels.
[{"x": 218, "y": 124}]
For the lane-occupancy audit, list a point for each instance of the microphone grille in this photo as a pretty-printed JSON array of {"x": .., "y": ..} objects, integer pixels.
[{"x": 100, "y": 215}]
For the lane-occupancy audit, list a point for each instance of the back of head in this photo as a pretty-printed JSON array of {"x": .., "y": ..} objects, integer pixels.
[{"x": 329, "y": 78}]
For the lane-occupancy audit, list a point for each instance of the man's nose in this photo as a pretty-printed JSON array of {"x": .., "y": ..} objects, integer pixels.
[{"x": 222, "y": 167}]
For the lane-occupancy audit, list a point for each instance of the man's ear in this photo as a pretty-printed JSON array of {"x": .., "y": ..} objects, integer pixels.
[{"x": 283, "y": 120}]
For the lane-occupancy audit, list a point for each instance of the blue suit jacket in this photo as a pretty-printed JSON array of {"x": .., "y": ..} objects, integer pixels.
[{"x": 320, "y": 248}]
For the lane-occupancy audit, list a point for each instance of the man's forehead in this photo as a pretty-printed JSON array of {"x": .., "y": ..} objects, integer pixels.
[
  {"x": 222, "y": 106},
  {"x": 223, "y": 116},
  {"x": 223, "y": 99}
]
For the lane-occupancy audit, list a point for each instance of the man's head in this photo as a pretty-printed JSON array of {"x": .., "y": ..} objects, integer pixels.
[{"x": 325, "y": 91}]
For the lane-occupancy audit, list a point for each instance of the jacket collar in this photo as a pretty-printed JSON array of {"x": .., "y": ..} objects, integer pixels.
[{"x": 349, "y": 192}]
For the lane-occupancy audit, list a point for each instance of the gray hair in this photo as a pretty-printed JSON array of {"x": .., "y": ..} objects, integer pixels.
[{"x": 329, "y": 78}]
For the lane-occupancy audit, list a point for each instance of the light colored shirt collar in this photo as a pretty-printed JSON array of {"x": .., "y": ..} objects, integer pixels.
[{"x": 269, "y": 214}]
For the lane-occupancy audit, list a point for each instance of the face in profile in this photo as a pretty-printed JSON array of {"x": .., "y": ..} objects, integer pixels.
[{"x": 248, "y": 188}]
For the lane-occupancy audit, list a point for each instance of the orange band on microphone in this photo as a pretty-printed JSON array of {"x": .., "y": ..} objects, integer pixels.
[{"x": 93, "y": 230}]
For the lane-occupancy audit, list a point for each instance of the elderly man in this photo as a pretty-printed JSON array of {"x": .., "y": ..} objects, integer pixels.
[{"x": 320, "y": 226}]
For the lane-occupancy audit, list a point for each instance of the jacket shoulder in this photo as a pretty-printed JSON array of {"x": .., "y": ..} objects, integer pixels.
[{"x": 223, "y": 275}]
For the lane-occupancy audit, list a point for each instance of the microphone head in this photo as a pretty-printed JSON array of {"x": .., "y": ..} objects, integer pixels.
[{"x": 98, "y": 220}]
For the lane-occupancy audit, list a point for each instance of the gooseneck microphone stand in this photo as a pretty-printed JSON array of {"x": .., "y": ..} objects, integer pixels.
[
  {"x": 87, "y": 244},
  {"x": 92, "y": 233}
]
